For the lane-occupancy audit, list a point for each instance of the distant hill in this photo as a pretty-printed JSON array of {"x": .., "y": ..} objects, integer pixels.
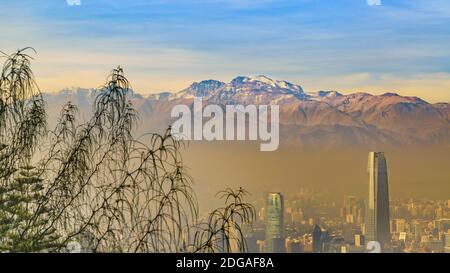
[{"x": 326, "y": 118}]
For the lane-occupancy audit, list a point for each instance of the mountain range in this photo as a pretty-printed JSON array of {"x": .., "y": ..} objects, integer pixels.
[{"x": 325, "y": 118}]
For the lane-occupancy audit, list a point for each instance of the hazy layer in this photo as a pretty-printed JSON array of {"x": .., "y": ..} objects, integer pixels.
[{"x": 413, "y": 172}]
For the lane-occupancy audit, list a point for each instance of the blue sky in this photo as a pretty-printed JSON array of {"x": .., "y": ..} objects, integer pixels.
[{"x": 401, "y": 46}]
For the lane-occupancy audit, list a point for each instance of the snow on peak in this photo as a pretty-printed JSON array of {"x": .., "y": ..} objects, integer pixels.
[
  {"x": 207, "y": 84},
  {"x": 91, "y": 92},
  {"x": 76, "y": 90},
  {"x": 203, "y": 88},
  {"x": 264, "y": 80}
]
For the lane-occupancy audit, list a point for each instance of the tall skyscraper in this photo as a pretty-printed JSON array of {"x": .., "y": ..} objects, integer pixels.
[
  {"x": 317, "y": 239},
  {"x": 274, "y": 222},
  {"x": 377, "y": 218}
]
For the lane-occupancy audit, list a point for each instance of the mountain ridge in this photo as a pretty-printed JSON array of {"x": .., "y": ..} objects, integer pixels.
[{"x": 326, "y": 118}]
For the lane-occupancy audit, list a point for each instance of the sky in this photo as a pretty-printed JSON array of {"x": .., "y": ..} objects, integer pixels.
[{"x": 398, "y": 46}]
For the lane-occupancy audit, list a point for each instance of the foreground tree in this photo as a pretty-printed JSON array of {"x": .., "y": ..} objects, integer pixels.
[
  {"x": 18, "y": 200},
  {"x": 222, "y": 232},
  {"x": 105, "y": 188}
]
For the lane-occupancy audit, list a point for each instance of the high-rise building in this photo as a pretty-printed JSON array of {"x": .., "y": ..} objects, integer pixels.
[
  {"x": 418, "y": 227},
  {"x": 274, "y": 222},
  {"x": 443, "y": 225},
  {"x": 400, "y": 225},
  {"x": 252, "y": 245},
  {"x": 446, "y": 240},
  {"x": 317, "y": 239},
  {"x": 359, "y": 240},
  {"x": 349, "y": 206},
  {"x": 377, "y": 217}
]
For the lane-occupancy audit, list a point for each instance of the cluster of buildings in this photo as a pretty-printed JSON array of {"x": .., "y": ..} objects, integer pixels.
[{"x": 309, "y": 222}]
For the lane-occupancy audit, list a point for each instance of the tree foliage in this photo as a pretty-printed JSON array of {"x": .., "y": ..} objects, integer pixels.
[
  {"x": 94, "y": 182},
  {"x": 18, "y": 201},
  {"x": 222, "y": 232}
]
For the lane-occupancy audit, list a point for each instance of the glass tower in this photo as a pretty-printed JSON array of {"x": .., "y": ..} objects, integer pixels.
[
  {"x": 274, "y": 220},
  {"x": 317, "y": 239},
  {"x": 377, "y": 218}
]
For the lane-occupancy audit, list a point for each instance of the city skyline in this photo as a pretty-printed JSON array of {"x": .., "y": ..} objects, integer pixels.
[
  {"x": 311, "y": 222},
  {"x": 314, "y": 224}
]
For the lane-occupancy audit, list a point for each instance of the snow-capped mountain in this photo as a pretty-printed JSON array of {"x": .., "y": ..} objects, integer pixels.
[
  {"x": 308, "y": 118},
  {"x": 246, "y": 90},
  {"x": 201, "y": 89}
]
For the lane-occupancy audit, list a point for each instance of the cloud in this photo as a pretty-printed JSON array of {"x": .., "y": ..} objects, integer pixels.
[
  {"x": 374, "y": 2},
  {"x": 73, "y": 2},
  {"x": 166, "y": 44}
]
